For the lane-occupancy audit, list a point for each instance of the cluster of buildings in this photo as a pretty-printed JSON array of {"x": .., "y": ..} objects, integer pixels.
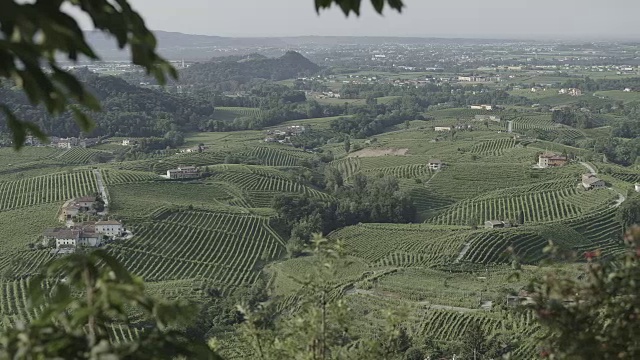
[
  {"x": 63, "y": 143},
  {"x": 183, "y": 172},
  {"x": 77, "y": 206},
  {"x": 284, "y": 135},
  {"x": 570, "y": 92},
  {"x": 487, "y": 118},
  {"x": 87, "y": 234}
]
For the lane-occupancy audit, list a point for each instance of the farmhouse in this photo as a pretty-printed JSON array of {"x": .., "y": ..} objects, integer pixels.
[
  {"x": 549, "y": 159},
  {"x": 435, "y": 164},
  {"x": 442, "y": 128},
  {"x": 183, "y": 172},
  {"x": 637, "y": 187},
  {"x": 482, "y": 107},
  {"x": 126, "y": 142},
  {"x": 570, "y": 92},
  {"x": 64, "y": 238},
  {"x": 590, "y": 182},
  {"x": 496, "y": 224},
  {"x": 109, "y": 228},
  {"x": 487, "y": 118}
]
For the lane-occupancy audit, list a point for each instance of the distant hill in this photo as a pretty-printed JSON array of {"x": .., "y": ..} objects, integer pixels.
[
  {"x": 230, "y": 73},
  {"x": 129, "y": 110}
]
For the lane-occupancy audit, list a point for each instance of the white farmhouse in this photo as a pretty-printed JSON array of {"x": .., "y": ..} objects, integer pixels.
[
  {"x": 637, "y": 187},
  {"x": 442, "y": 128},
  {"x": 435, "y": 164},
  {"x": 109, "y": 228}
]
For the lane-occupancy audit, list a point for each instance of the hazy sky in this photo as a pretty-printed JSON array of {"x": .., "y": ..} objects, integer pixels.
[{"x": 448, "y": 18}]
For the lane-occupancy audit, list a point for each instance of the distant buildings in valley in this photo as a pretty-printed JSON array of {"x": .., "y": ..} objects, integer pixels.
[
  {"x": 482, "y": 107},
  {"x": 487, "y": 117},
  {"x": 570, "y": 92},
  {"x": 283, "y": 135},
  {"x": 442, "y": 128},
  {"x": 63, "y": 143}
]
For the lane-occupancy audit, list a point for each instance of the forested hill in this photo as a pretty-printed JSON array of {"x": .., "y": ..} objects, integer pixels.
[
  {"x": 129, "y": 110},
  {"x": 230, "y": 73}
]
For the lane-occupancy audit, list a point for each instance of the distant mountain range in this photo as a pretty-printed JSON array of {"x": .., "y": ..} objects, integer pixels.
[{"x": 177, "y": 46}]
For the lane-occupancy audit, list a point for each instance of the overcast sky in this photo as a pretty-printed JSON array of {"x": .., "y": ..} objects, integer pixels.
[{"x": 440, "y": 18}]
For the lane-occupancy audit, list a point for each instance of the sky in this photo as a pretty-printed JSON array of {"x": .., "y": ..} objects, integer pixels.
[{"x": 526, "y": 19}]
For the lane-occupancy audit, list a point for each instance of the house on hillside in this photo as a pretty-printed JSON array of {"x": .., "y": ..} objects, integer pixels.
[
  {"x": 550, "y": 159},
  {"x": 85, "y": 203},
  {"x": 637, "y": 187},
  {"x": 435, "y": 164},
  {"x": 109, "y": 228},
  {"x": 183, "y": 172},
  {"x": 487, "y": 118},
  {"x": 482, "y": 107},
  {"x": 591, "y": 182},
  {"x": 64, "y": 238},
  {"x": 496, "y": 224},
  {"x": 442, "y": 128}
]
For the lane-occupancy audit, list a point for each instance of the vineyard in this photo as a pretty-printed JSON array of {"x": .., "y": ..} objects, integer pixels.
[
  {"x": 536, "y": 206},
  {"x": 262, "y": 186},
  {"x": 460, "y": 181},
  {"x": 493, "y": 147},
  {"x": 231, "y": 113},
  {"x": 270, "y": 156},
  {"x": 400, "y": 245},
  {"x": 113, "y": 177},
  {"x": 221, "y": 248},
  {"x": 81, "y": 156},
  {"x": 46, "y": 189}
]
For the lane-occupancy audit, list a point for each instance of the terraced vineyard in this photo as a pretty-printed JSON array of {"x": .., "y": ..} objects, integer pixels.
[
  {"x": 231, "y": 113},
  {"x": 262, "y": 188},
  {"x": 14, "y": 303},
  {"x": 493, "y": 147},
  {"x": 112, "y": 177},
  {"x": 221, "y": 248},
  {"x": 537, "y": 206},
  {"x": 278, "y": 157},
  {"x": 448, "y": 325},
  {"x": 467, "y": 180},
  {"x": 400, "y": 245},
  {"x": 628, "y": 176},
  {"x": 82, "y": 156},
  {"x": 46, "y": 189},
  {"x": 490, "y": 247}
]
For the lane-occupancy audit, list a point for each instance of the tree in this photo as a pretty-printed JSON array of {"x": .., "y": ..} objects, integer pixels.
[
  {"x": 629, "y": 212},
  {"x": 79, "y": 297},
  {"x": 474, "y": 342},
  {"x": 521, "y": 217},
  {"x": 35, "y": 35},
  {"x": 596, "y": 316},
  {"x": 347, "y": 145}
]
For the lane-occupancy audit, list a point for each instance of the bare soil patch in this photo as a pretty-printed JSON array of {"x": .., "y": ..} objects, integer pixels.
[{"x": 371, "y": 152}]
